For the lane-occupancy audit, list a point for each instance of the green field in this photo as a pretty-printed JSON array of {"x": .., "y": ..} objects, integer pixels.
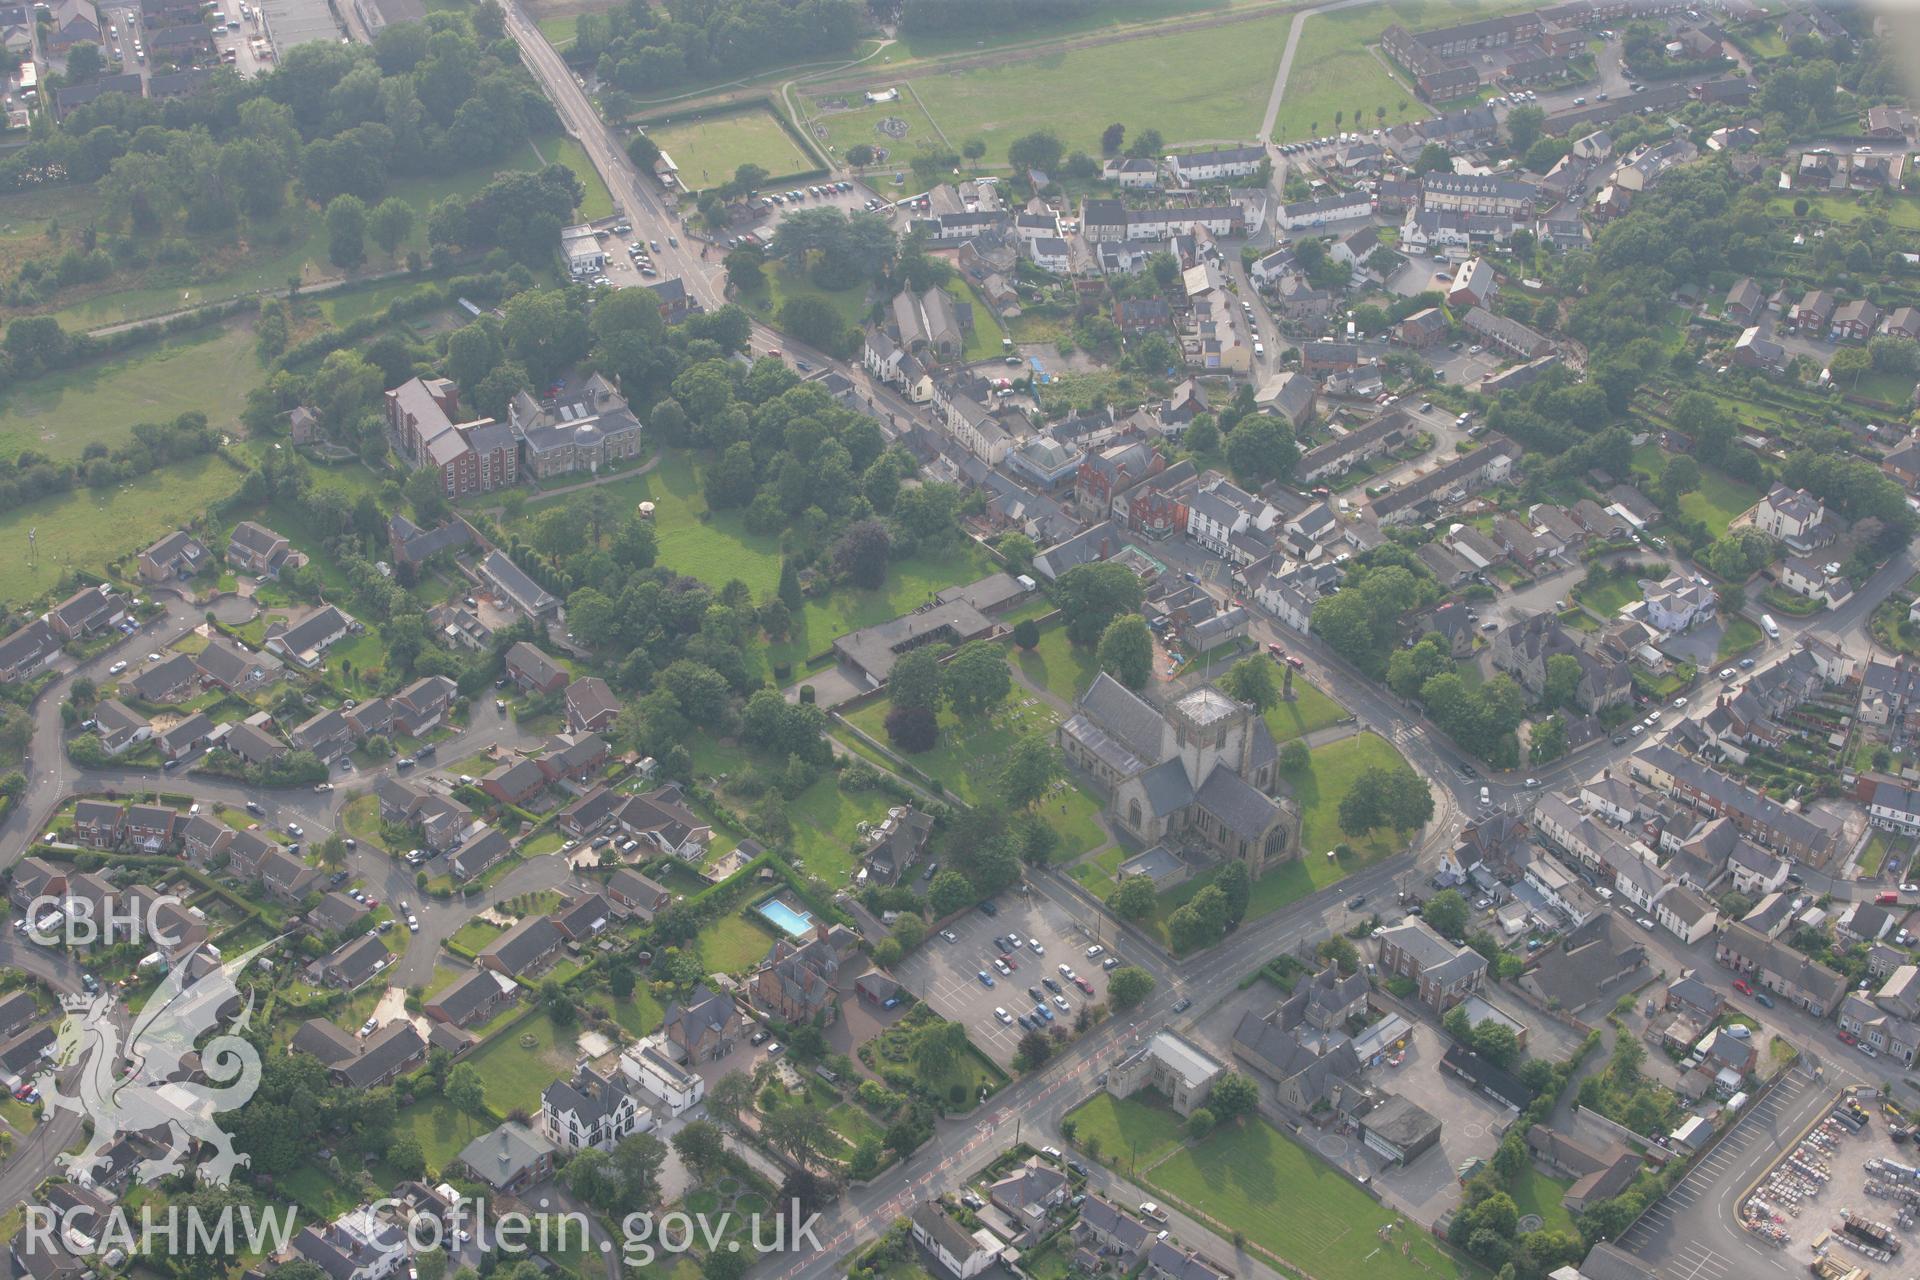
[
  {"x": 966, "y": 761},
  {"x": 1309, "y": 710},
  {"x": 1900, "y": 211},
  {"x": 1078, "y": 92},
  {"x": 521, "y": 1061},
  {"x": 598, "y": 201},
  {"x": 1739, "y": 636},
  {"x": 1534, "y": 1192},
  {"x": 88, "y": 528},
  {"x": 837, "y": 130},
  {"x": 1057, "y": 665},
  {"x": 440, "y": 1129},
  {"x": 1252, "y": 1179},
  {"x": 265, "y": 254},
  {"x": 209, "y": 371},
  {"x": 1128, "y": 1131},
  {"x": 1334, "y": 71},
  {"x": 1332, "y": 773},
  {"x": 708, "y": 151},
  {"x": 910, "y": 583},
  {"x": 1718, "y": 500},
  {"x": 732, "y": 944},
  {"x": 782, "y": 284}
]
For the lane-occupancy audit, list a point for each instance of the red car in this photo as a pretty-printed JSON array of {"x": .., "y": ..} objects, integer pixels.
[
  {"x": 1740, "y": 985},
  {"x": 1887, "y": 899},
  {"x": 1296, "y": 663},
  {"x": 1010, "y": 963},
  {"x": 1084, "y": 985},
  {"x": 1846, "y": 1037},
  {"x": 1279, "y": 654}
]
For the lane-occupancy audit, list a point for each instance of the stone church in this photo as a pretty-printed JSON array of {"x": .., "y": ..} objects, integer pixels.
[{"x": 1203, "y": 776}]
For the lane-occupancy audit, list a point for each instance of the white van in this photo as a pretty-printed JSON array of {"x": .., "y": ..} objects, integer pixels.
[{"x": 1771, "y": 627}]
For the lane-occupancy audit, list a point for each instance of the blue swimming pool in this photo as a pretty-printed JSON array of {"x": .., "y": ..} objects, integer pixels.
[{"x": 788, "y": 918}]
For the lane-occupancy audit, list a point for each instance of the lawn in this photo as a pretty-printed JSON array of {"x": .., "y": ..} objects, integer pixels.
[
  {"x": 732, "y": 944},
  {"x": 208, "y": 371},
  {"x": 708, "y": 151},
  {"x": 838, "y": 130},
  {"x": 1718, "y": 500},
  {"x": 1250, "y": 1178},
  {"x": 1331, "y": 773},
  {"x": 1536, "y": 1193},
  {"x": 713, "y": 546},
  {"x": 826, "y": 823},
  {"x": 1078, "y": 92},
  {"x": 910, "y": 583},
  {"x": 1609, "y": 597},
  {"x": 1879, "y": 845},
  {"x": 1057, "y": 665},
  {"x": 1334, "y": 71},
  {"x": 440, "y": 1129},
  {"x": 1900, "y": 211},
  {"x": 1125, "y": 1129},
  {"x": 475, "y": 934},
  {"x": 88, "y": 528},
  {"x": 1309, "y": 710},
  {"x": 782, "y": 284},
  {"x": 598, "y": 201},
  {"x": 638, "y": 1015},
  {"x": 1739, "y": 637},
  {"x": 521, "y": 1061},
  {"x": 266, "y": 253}
]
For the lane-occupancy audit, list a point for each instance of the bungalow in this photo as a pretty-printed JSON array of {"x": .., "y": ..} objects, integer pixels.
[
  {"x": 171, "y": 678},
  {"x": 636, "y": 893},
  {"x": 26, "y": 649},
  {"x": 591, "y": 811},
  {"x": 305, "y": 639},
  {"x": 962, "y": 1255},
  {"x": 254, "y": 745},
  {"x": 661, "y": 818},
  {"x": 473, "y": 1000},
  {"x": 523, "y": 948},
  {"x": 510, "y": 583},
  {"x": 119, "y": 727},
  {"x": 355, "y": 962},
  {"x": 225, "y": 665}
]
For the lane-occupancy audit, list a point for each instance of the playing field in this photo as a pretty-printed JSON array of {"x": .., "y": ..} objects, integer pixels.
[
  {"x": 88, "y": 528},
  {"x": 900, "y": 128},
  {"x": 1193, "y": 86},
  {"x": 708, "y": 151},
  {"x": 1250, "y": 1178},
  {"x": 209, "y": 371}
]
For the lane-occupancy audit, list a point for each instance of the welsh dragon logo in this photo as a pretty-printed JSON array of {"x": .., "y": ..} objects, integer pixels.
[{"x": 144, "y": 1098}]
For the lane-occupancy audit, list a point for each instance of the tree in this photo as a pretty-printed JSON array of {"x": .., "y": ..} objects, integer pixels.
[
  {"x": 1026, "y": 633},
  {"x": 1235, "y": 883},
  {"x": 1446, "y": 912},
  {"x": 915, "y": 680},
  {"x": 1682, "y": 475},
  {"x": 1092, "y": 595},
  {"x": 1562, "y": 687},
  {"x": 1133, "y": 898},
  {"x": 1112, "y": 138},
  {"x": 977, "y": 677},
  {"x": 912, "y": 729},
  {"x": 1295, "y": 758},
  {"x": 1039, "y": 150},
  {"x": 1032, "y": 1051},
  {"x": 390, "y": 223},
  {"x": 744, "y": 271},
  {"x": 860, "y": 155},
  {"x": 1126, "y": 651},
  {"x": 973, "y": 149},
  {"x": 1261, "y": 448},
  {"x": 814, "y": 321},
  {"x": 1129, "y": 985},
  {"x": 800, "y": 1132},
  {"x": 1201, "y": 922},
  {"x": 85, "y": 62},
  {"x": 1251, "y": 680},
  {"x": 729, "y": 1097},
  {"x": 465, "y": 1090},
  {"x": 1233, "y": 1095},
  {"x": 1200, "y": 1122},
  {"x": 949, "y": 892},
  {"x": 1524, "y": 126},
  {"x": 936, "y": 1046},
  {"x": 1495, "y": 1042},
  {"x": 346, "y": 231},
  {"x": 1030, "y": 770},
  {"x": 1359, "y": 810},
  {"x": 861, "y": 553}
]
